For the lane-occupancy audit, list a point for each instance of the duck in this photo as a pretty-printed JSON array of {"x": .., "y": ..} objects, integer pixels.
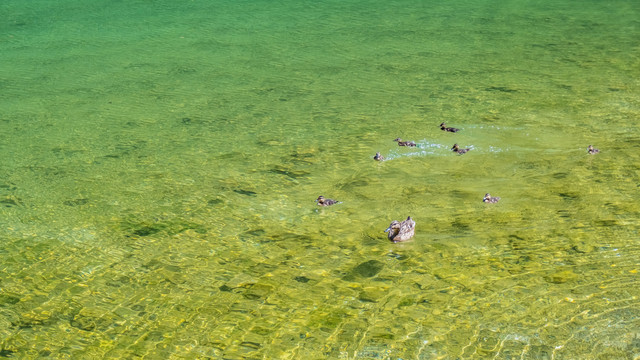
[
  {"x": 405, "y": 143},
  {"x": 449, "y": 129},
  {"x": 401, "y": 231},
  {"x": 322, "y": 201},
  {"x": 457, "y": 149},
  {"x": 591, "y": 150},
  {"x": 490, "y": 199},
  {"x": 378, "y": 157}
]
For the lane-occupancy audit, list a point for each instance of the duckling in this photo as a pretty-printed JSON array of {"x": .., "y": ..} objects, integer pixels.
[
  {"x": 401, "y": 231},
  {"x": 449, "y": 129},
  {"x": 405, "y": 143},
  {"x": 457, "y": 149},
  {"x": 378, "y": 157},
  {"x": 489, "y": 199},
  {"x": 591, "y": 150},
  {"x": 326, "y": 202}
]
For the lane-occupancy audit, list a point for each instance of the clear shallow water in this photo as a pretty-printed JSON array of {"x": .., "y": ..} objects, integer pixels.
[{"x": 160, "y": 163}]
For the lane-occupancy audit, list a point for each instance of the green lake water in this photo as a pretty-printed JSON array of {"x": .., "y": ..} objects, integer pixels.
[{"x": 160, "y": 162}]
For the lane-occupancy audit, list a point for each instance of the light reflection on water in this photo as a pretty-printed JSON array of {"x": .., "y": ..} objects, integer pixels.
[{"x": 163, "y": 206}]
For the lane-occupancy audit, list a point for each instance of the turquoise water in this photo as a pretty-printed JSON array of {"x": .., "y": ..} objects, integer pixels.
[{"x": 160, "y": 162}]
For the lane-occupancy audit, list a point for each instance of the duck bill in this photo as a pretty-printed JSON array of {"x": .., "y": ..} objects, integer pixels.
[{"x": 388, "y": 229}]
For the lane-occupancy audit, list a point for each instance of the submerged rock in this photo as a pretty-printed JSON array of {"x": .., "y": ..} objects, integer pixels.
[
  {"x": 368, "y": 268},
  {"x": 561, "y": 277}
]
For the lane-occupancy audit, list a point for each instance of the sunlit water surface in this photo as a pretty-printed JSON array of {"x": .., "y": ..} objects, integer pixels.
[{"x": 160, "y": 162}]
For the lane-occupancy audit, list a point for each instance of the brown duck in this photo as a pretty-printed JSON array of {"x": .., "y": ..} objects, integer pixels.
[
  {"x": 378, "y": 157},
  {"x": 490, "y": 199},
  {"x": 404, "y": 143},
  {"x": 326, "y": 202},
  {"x": 457, "y": 149},
  {"x": 401, "y": 231},
  {"x": 591, "y": 150},
  {"x": 449, "y": 129}
]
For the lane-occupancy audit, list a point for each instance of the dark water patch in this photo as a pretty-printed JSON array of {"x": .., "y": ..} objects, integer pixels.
[
  {"x": 93, "y": 320},
  {"x": 258, "y": 291},
  {"x": 569, "y": 196},
  {"x": 146, "y": 230},
  {"x": 606, "y": 223},
  {"x": 173, "y": 268},
  {"x": 564, "y": 213},
  {"x": 245, "y": 192},
  {"x": 76, "y": 202},
  {"x": 186, "y": 121},
  {"x": 302, "y": 157},
  {"x": 301, "y": 279},
  {"x": 28, "y": 323},
  {"x": 397, "y": 256},
  {"x": 234, "y": 155},
  {"x": 66, "y": 153},
  {"x": 183, "y": 70},
  {"x": 85, "y": 323},
  {"x": 541, "y": 352},
  {"x": 561, "y": 277},
  {"x": 516, "y": 242},
  {"x": 255, "y": 232},
  {"x": 368, "y": 269},
  {"x": 460, "y": 225},
  {"x": 261, "y": 330},
  {"x": 289, "y": 236},
  {"x": 522, "y": 260},
  {"x": 10, "y": 201},
  {"x": 118, "y": 282},
  {"x": 352, "y": 183},
  {"x": 250, "y": 345},
  {"x": 560, "y": 175},
  {"x": 214, "y": 202},
  {"x": 262, "y": 268},
  {"x": 576, "y": 250},
  {"x": 500, "y": 89},
  {"x": 371, "y": 239},
  {"x": 407, "y": 301},
  {"x": 6, "y": 299},
  {"x": 256, "y": 235},
  {"x": 153, "y": 264},
  {"x": 9, "y": 187},
  {"x": 372, "y": 295},
  {"x": 6, "y": 353},
  {"x": 293, "y": 174}
]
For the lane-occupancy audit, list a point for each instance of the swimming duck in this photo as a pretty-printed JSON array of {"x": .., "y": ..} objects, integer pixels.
[
  {"x": 591, "y": 150},
  {"x": 457, "y": 149},
  {"x": 489, "y": 199},
  {"x": 378, "y": 157},
  {"x": 325, "y": 202},
  {"x": 449, "y": 129},
  {"x": 401, "y": 231},
  {"x": 405, "y": 143}
]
